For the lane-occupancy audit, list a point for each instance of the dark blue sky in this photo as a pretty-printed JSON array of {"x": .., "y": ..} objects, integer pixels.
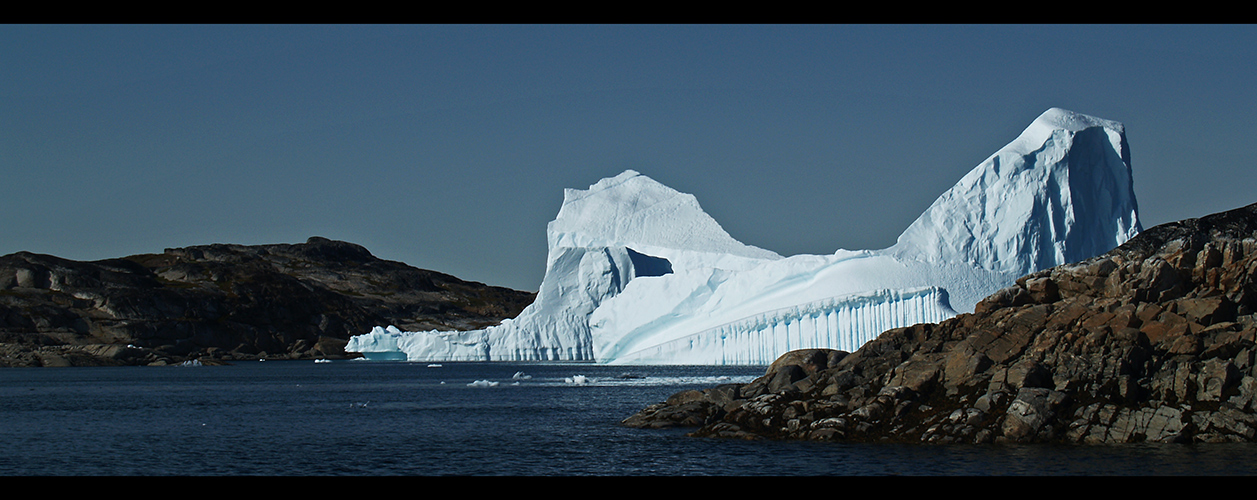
[{"x": 448, "y": 147}]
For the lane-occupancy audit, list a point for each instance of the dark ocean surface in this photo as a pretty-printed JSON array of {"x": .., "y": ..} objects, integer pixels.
[{"x": 357, "y": 418}]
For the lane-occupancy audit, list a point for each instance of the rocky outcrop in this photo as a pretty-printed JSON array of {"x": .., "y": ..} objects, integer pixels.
[
  {"x": 1155, "y": 341},
  {"x": 223, "y": 302}
]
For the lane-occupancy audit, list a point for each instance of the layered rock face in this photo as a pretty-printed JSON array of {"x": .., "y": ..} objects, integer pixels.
[
  {"x": 223, "y": 302},
  {"x": 1155, "y": 341}
]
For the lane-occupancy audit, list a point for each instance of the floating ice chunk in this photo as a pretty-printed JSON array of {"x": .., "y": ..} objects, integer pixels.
[
  {"x": 578, "y": 380},
  {"x": 483, "y": 383},
  {"x": 520, "y": 376}
]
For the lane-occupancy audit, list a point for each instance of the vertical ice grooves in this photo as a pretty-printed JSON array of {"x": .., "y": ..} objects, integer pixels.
[{"x": 844, "y": 322}]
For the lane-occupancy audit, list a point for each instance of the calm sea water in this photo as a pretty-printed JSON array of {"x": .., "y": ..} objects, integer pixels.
[{"x": 395, "y": 418}]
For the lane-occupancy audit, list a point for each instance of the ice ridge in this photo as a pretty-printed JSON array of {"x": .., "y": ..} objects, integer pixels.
[
  {"x": 1061, "y": 192},
  {"x": 638, "y": 273}
]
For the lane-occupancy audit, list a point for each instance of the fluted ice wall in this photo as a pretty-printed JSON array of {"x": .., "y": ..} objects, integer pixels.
[{"x": 845, "y": 323}]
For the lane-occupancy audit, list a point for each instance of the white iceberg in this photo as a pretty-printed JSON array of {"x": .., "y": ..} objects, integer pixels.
[{"x": 637, "y": 273}]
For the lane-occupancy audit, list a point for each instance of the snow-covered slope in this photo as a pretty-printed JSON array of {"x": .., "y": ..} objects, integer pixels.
[{"x": 637, "y": 273}]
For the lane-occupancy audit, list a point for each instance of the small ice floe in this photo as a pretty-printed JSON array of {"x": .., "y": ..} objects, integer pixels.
[
  {"x": 520, "y": 376},
  {"x": 359, "y": 405},
  {"x": 483, "y": 383},
  {"x": 191, "y": 362},
  {"x": 577, "y": 379},
  {"x": 322, "y": 361},
  {"x": 434, "y": 365}
]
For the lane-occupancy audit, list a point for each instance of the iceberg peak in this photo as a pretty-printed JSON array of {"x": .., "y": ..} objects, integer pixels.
[
  {"x": 638, "y": 273},
  {"x": 1058, "y": 118},
  {"x": 1061, "y": 192},
  {"x": 632, "y": 209}
]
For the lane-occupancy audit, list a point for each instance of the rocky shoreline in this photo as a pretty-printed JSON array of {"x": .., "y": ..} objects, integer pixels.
[
  {"x": 1154, "y": 341},
  {"x": 219, "y": 303}
]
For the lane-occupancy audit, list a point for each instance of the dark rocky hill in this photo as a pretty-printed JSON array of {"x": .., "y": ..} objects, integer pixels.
[
  {"x": 1155, "y": 341},
  {"x": 223, "y": 302}
]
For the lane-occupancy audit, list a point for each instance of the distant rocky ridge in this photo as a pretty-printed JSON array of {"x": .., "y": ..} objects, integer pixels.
[
  {"x": 217, "y": 303},
  {"x": 1155, "y": 341}
]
